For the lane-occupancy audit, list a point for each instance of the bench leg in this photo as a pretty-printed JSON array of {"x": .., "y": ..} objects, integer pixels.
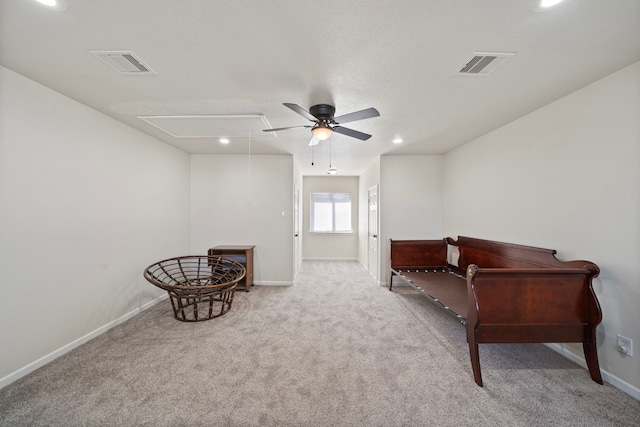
[
  {"x": 591, "y": 356},
  {"x": 475, "y": 357}
]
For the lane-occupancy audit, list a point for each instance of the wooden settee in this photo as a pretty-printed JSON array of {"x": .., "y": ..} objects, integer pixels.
[{"x": 504, "y": 293}]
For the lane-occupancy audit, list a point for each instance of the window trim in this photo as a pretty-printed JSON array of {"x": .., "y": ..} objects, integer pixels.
[{"x": 312, "y": 200}]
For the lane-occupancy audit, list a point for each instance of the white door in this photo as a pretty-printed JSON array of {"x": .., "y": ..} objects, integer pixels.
[
  {"x": 373, "y": 232},
  {"x": 296, "y": 230}
]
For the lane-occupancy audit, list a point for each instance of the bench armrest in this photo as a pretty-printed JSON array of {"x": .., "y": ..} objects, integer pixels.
[{"x": 551, "y": 296}]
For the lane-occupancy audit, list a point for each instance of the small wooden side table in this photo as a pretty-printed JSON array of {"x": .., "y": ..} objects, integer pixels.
[{"x": 241, "y": 254}]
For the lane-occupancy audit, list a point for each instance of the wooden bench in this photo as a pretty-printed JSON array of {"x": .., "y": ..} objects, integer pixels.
[{"x": 504, "y": 293}]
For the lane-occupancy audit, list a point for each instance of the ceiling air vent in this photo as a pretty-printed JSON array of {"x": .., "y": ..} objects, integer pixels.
[
  {"x": 482, "y": 63},
  {"x": 124, "y": 62}
]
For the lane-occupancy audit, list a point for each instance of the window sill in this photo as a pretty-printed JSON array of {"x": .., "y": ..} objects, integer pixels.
[{"x": 331, "y": 232}]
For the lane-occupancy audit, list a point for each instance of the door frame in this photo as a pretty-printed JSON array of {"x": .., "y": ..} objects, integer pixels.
[{"x": 373, "y": 238}]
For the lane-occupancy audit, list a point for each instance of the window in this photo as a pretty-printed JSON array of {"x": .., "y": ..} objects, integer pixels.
[{"x": 330, "y": 213}]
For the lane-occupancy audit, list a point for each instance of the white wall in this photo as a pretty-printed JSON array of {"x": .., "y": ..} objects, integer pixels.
[
  {"x": 326, "y": 245},
  {"x": 410, "y": 201},
  {"x": 86, "y": 203},
  {"x": 240, "y": 200},
  {"x": 565, "y": 177}
]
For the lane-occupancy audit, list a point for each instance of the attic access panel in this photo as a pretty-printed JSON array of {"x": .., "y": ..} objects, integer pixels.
[{"x": 210, "y": 126}]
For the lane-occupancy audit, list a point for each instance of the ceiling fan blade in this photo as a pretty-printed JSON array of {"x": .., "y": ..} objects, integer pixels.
[
  {"x": 352, "y": 133},
  {"x": 314, "y": 141},
  {"x": 288, "y": 127},
  {"x": 358, "y": 115},
  {"x": 298, "y": 109}
]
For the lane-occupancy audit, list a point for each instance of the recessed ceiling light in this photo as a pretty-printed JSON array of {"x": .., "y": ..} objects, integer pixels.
[
  {"x": 397, "y": 141},
  {"x": 549, "y": 3},
  {"x": 54, "y": 4},
  {"x": 224, "y": 140},
  {"x": 544, "y": 5}
]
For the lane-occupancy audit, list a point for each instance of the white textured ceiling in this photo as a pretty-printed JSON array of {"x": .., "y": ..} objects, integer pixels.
[{"x": 237, "y": 57}]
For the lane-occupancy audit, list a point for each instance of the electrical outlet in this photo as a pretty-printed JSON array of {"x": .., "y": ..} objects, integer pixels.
[{"x": 625, "y": 345}]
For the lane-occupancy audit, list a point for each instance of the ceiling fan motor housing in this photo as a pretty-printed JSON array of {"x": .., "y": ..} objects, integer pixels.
[
  {"x": 323, "y": 112},
  {"x": 325, "y": 122}
]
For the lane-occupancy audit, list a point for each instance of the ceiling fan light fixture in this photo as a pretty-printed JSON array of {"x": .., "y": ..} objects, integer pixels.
[{"x": 321, "y": 132}]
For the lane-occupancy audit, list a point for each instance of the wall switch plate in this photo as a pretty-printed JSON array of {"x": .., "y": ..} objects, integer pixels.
[{"x": 625, "y": 345}]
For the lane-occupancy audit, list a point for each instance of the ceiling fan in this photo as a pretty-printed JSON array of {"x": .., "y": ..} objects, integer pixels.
[{"x": 326, "y": 123}]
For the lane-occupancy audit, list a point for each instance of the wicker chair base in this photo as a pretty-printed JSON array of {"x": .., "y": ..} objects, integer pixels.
[{"x": 198, "y": 308}]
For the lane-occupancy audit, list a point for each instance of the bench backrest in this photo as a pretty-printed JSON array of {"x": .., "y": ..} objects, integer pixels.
[
  {"x": 491, "y": 254},
  {"x": 426, "y": 254}
]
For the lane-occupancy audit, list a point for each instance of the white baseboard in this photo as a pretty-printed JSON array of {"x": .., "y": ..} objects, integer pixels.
[
  {"x": 272, "y": 283},
  {"x": 330, "y": 259},
  {"x": 397, "y": 283},
  {"x": 5, "y": 381},
  {"x": 606, "y": 376}
]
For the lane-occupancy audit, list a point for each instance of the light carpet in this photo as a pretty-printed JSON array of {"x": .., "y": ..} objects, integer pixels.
[{"x": 335, "y": 349}]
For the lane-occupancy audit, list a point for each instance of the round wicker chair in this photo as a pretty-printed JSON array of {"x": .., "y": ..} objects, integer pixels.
[{"x": 200, "y": 287}]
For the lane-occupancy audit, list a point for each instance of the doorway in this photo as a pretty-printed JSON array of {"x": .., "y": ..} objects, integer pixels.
[
  {"x": 296, "y": 230},
  {"x": 372, "y": 233}
]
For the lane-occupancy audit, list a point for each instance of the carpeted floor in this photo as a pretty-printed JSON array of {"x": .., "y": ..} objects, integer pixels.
[{"x": 333, "y": 350}]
